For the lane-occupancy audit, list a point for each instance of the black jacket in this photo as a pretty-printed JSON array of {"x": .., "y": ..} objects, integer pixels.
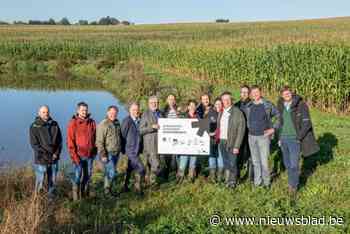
[
  {"x": 302, "y": 123},
  {"x": 211, "y": 116},
  {"x": 244, "y": 151},
  {"x": 166, "y": 110},
  {"x": 46, "y": 140}
]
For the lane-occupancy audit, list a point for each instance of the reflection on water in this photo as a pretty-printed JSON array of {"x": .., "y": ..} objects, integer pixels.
[{"x": 19, "y": 108}]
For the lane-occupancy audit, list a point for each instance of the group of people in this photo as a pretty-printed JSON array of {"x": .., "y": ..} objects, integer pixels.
[{"x": 240, "y": 133}]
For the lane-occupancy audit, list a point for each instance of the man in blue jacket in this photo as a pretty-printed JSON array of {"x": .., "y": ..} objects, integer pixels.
[
  {"x": 261, "y": 129},
  {"x": 132, "y": 146}
]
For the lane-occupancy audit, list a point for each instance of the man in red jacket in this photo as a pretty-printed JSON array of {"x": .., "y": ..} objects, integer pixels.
[{"x": 81, "y": 135}]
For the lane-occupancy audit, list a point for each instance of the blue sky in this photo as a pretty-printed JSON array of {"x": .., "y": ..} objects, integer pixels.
[{"x": 166, "y": 11}]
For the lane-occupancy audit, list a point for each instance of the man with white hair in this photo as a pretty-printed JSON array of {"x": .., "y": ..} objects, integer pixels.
[
  {"x": 46, "y": 141},
  {"x": 149, "y": 131},
  {"x": 132, "y": 147}
]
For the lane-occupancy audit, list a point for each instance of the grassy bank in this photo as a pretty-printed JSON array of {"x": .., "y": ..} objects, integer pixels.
[{"x": 324, "y": 192}]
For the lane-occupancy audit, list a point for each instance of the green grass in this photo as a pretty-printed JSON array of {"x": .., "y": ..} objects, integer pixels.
[
  {"x": 324, "y": 192},
  {"x": 187, "y": 208}
]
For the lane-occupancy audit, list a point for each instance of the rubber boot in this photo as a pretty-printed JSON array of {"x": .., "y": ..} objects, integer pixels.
[
  {"x": 148, "y": 177},
  {"x": 126, "y": 182},
  {"x": 250, "y": 170},
  {"x": 227, "y": 176},
  {"x": 85, "y": 191},
  {"x": 107, "y": 187},
  {"x": 180, "y": 176},
  {"x": 138, "y": 184},
  {"x": 220, "y": 175},
  {"x": 153, "y": 180},
  {"x": 76, "y": 192},
  {"x": 212, "y": 176},
  {"x": 292, "y": 192},
  {"x": 192, "y": 174}
]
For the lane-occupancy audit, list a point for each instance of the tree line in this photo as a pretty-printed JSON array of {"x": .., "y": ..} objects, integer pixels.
[{"x": 64, "y": 21}]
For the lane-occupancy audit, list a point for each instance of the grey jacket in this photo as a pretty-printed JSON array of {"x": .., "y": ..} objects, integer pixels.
[
  {"x": 236, "y": 128},
  {"x": 149, "y": 135}
]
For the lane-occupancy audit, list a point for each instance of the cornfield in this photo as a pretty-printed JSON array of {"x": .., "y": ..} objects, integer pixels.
[{"x": 313, "y": 57}]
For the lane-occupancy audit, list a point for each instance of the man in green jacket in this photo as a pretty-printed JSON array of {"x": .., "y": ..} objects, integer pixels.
[
  {"x": 296, "y": 135},
  {"x": 231, "y": 124},
  {"x": 108, "y": 142}
]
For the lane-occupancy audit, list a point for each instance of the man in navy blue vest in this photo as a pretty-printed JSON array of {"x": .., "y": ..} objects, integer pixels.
[{"x": 132, "y": 146}]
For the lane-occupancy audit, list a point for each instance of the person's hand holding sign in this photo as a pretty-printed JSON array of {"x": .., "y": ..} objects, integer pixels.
[
  {"x": 155, "y": 126},
  {"x": 235, "y": 151}
]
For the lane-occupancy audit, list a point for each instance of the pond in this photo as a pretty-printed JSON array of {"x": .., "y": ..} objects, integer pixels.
[{"x": 19, "y": 108}]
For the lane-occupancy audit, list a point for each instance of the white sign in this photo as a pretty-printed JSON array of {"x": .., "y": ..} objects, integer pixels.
[{"x": 178, "y": 136}]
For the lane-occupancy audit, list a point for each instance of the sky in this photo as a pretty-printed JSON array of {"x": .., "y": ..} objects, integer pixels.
[{"x": 167, "y": 11}]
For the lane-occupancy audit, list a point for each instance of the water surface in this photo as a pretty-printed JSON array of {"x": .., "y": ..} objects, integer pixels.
[{"x": 19, "y": 108}]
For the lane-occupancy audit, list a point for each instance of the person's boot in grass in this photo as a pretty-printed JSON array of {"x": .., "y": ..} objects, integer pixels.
[
  {"x": 180, "y": 176},
  {"x": 76, "y": 192},
  {"x": 85, "y": 191},
  {"x": 192, "y": 174},
  {"x": 292, "y": 192},
  {"x": 126, "y": 183},
  {"x": 82, "y": 191},
  {"x": 220, "y": 175},
  {"x": 148, "y": 178},
  {"x": 226, "y": 176},
  {"x": 250, "y": 169},
  {"x": 212, "y": 176},
  {"x": 231, "y": 185},
  {"x": 107, "y": 187},
  {"x": 153, "y": 180},
  {"x": 138, "y": 184},
  {"x": 267, "y": 186}
]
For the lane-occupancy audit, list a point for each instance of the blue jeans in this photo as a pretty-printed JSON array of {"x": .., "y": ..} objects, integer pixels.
[
  {"x": 83, "y": 171},
  {"x": 216, "y": 160},
  {"x": 184, "y": 161},
  {"x": 291, "y": 155},
  {"x": 230, "y": 162},
  {"x": 109, "y": 167},
  {"x": 260, "y": 151},
  {"x": 51, "y": 172}
]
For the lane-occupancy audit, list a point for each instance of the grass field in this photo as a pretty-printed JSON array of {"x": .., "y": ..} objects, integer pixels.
[
  {"x": 311, "y": 56},
  {"x": 136, "y": 61}
]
